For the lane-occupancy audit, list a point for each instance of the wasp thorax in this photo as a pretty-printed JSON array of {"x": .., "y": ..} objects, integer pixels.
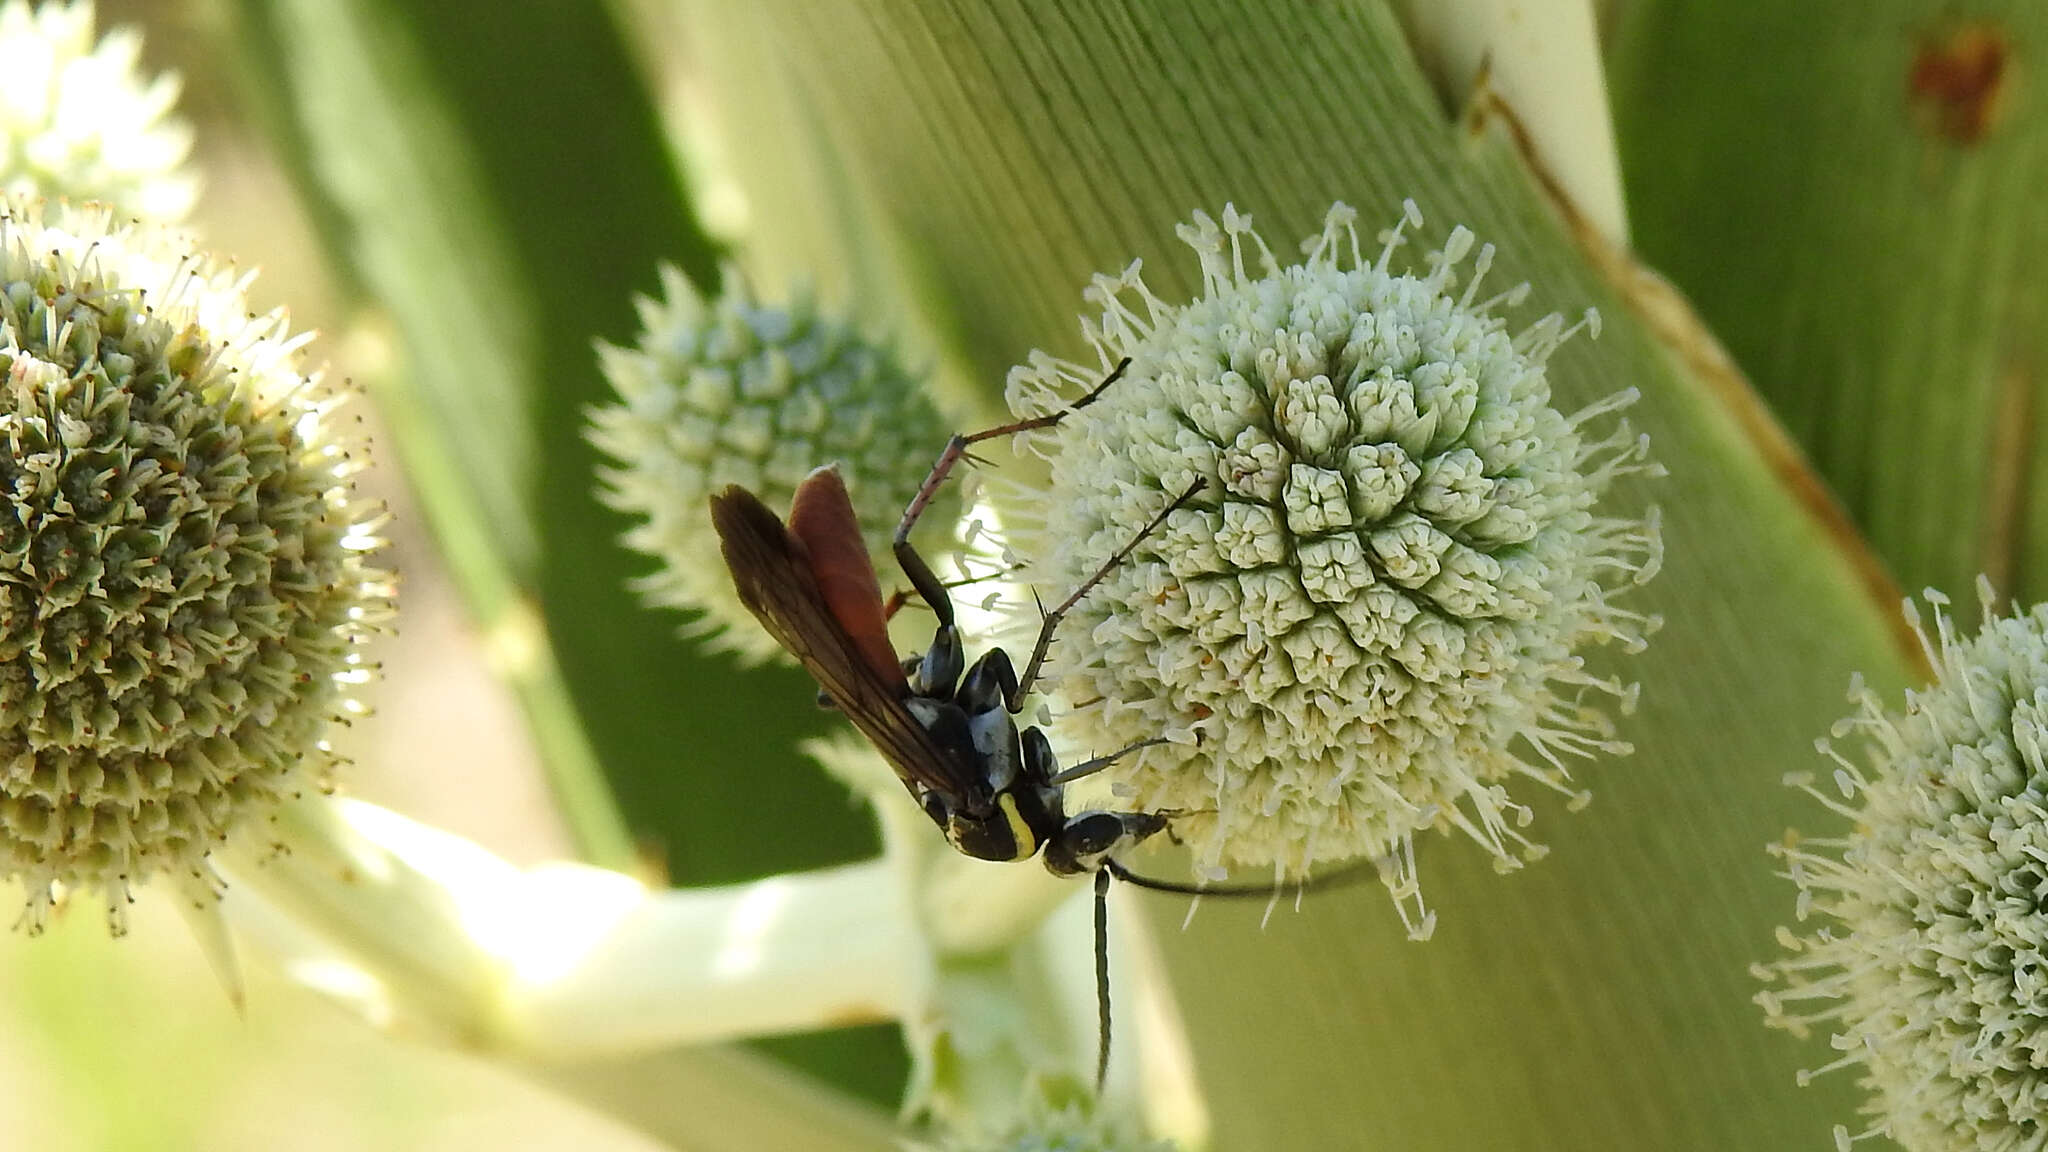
[
  {"x": 182, "y": 579},
  {"x": 732, "y": 391},
  {"x": 1374, "y": 608}
]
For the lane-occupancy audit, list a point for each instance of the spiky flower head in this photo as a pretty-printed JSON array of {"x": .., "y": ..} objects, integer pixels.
[
  {"x": 733, "y": 391},
  {"x": 77, "y": 122},
  {"x": 182, "y": 577},
  {"x": 1925, "y": 950},
  {"x": 1374, "y": 611}
]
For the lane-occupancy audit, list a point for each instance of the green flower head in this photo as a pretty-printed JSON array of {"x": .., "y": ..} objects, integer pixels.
[
  {"x": 731, "y": 391},
  {"x": 1374, "y": 611},
  {"x": 183, "y": 587},
  {"x": 1925, "y": 951}
]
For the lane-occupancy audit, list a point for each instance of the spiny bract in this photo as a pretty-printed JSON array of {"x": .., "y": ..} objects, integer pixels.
[
  {"x": 1373, "y": 613},
  {"x": 182, "y": 582},
  {"x": 1927, "y": 955}
]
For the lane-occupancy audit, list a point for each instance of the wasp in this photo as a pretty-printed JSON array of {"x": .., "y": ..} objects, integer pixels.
[{"x": 950, "y": 730}]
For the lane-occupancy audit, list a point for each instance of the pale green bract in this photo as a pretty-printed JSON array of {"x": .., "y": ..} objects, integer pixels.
[
  {"x": 1374, "y": 612},
  {"x": 733, "y": 391},
  {"x": 1925, "y": 957},
  {"x": 183, "y": 585}
]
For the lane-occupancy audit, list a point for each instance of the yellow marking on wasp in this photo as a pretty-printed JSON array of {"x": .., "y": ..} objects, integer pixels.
[{"x": 1027, "y": 843}]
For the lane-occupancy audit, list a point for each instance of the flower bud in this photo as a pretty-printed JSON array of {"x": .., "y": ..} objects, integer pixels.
[{"x": 730, "y": 391}]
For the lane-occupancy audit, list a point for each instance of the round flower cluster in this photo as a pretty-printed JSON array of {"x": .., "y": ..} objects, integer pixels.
[
  {"x": 733, "y": 392},
  {"x": 1374, "y": 609},
  {"x": 1929, "y": 961},
  {"x": 75, "y": 120},
  {"x": 182, "y": 577}
]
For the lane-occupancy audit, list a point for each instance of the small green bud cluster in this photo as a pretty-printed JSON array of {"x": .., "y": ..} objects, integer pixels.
[
  {"x": 730, "y": 391},
  {"x": 183, "y": 587},
  {"x": 1374, "y": 611}
]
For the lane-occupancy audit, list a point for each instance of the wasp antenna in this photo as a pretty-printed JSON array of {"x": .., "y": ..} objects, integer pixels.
[
  {"x": 1102, "y": 977},
  {"x": 1323, "y": 882}
]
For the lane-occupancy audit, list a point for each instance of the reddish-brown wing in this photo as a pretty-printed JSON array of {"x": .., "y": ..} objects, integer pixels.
[
  {"x": 774, "y": 581},
  {"x": 822, "y": 522}
]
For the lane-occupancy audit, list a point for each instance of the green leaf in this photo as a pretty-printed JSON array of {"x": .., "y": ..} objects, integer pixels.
[
  {"x": 721, "y": 1100},
  {"x": 1861, "y": 219},
  {"x": 1600, "y": 999},
  {"x": 494, "y": 178}
]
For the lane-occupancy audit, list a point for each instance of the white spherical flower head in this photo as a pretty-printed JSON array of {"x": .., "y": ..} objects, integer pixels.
[
  {"x": 182, "y": 579},
  {"x": 731, "y": 391},
  {"x": 1373, "y": 611},
  {"x": 76, "y": 121},
  {"x": 1926, "y": 957}
]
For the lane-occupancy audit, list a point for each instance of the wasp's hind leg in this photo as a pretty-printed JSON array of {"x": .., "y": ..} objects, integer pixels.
[{"x": 928, "y": 585}]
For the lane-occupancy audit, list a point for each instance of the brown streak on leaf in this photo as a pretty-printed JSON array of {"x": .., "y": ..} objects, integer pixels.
[
  {"x": 2012, "y": 453},
  {"x": 1963, "y": 81},
  {"x": 1670, "y": 318},
  {"x": 855, "y": 1016}
]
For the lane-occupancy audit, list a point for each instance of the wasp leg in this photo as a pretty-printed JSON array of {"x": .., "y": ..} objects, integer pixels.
[
  {"x": 1091, "y": 767},
  {"x": 921, "y": 577},
  {"x": 1050, "y": 621}
]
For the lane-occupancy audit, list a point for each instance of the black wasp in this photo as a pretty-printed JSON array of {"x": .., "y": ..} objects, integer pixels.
[{"x": 949, "y": 730}]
